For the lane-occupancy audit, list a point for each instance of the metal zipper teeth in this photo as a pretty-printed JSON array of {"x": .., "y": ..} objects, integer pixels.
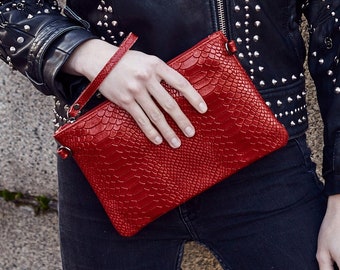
[
  {"x": 224, "y": 17},
  {"x": 221, "y": 16}
]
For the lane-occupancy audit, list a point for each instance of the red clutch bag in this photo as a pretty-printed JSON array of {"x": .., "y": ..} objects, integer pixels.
[{"x": 137, "y": 181}]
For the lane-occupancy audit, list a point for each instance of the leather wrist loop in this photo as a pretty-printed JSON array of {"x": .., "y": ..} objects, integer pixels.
[{"x": 90, "y": 90}]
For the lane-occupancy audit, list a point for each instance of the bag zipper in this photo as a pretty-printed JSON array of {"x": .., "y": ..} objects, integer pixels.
[{"x": 222, "y": 18}]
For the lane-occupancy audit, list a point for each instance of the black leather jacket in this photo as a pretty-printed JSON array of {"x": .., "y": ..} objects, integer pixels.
[{"x": 36, "y": 40}]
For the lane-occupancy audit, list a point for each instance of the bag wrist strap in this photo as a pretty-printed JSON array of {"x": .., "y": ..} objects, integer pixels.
[{"x": 91, "y": 89}]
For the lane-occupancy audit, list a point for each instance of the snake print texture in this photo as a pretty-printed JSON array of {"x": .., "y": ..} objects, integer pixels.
[{"x": 137, "y": 181}]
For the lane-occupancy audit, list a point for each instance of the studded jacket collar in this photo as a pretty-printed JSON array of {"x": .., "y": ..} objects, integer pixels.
[{"x": 36, "y": 40}]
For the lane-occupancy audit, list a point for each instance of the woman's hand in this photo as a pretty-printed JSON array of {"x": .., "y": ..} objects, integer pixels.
[
  {"x": 329, "y": 237},
  {"x": 134, "y": 85}
]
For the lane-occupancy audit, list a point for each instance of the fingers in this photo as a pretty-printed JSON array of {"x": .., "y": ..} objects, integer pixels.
[
  {"x": 152, "y": 121},
  {"x": 167, "y": 102},
  {"x": 156, "y": 118},
  {"x": 177, "y": 81},
  {"x": 325, "y": 260},
  {"x": 336, "y": 262},
  {"x": 144, "y": 123},
  {"x": 135, "y": 86}
]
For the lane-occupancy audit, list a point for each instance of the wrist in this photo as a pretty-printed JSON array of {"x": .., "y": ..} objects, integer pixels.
[{"x": 89, "y": 58}]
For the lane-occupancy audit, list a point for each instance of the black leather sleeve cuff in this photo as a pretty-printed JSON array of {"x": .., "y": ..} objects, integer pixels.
[
  {"x": 56, "y": 56},
  {"x": 332, "y": 185},
  {"x": 332, "y": 177},
  {"x": 29, "y": 30}
]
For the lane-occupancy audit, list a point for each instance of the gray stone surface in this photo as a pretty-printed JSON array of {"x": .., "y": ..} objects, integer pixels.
[
  {"x": 26, "y": 143},
  {"x": 27, "y": 164},
  {"x": 28, "y": 242}
]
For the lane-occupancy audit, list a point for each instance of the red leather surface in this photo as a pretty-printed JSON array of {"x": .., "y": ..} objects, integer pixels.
[{"x": 137, "y": 181}]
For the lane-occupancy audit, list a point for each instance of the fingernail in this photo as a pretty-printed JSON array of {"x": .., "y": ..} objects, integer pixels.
[
  {"x": 175, "y": 143},
  {"x": 203, "y": 107},
  {"x": 189, "y": 131},
  {"x": 158, "y": 140}
]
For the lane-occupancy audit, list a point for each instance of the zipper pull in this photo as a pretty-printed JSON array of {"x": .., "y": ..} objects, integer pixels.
[
  {"x": 231, "y": 47},
  {"x": 64, "y": 152}
]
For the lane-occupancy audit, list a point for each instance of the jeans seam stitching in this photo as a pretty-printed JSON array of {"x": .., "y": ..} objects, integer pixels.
[
  {"x": 180, "y": 254},
  {"x": 187, "y": 223}
]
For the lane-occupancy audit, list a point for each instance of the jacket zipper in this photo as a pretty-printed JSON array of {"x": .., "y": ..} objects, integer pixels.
[{"x": 222, "y": 18}]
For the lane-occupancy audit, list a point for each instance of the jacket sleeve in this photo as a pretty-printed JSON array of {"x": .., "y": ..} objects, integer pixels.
[
  {"x": 36, "y": 39},
  {"x": 323, "y": 59}
]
